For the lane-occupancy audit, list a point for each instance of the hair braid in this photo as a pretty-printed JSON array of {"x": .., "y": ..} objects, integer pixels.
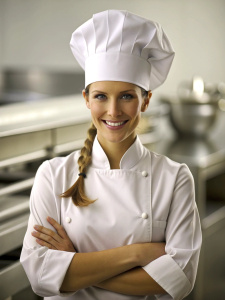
[{"x": 77, "y": 190}]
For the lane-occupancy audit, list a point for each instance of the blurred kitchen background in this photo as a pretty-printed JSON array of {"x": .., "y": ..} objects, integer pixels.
[{"x": 42, "y": 115}]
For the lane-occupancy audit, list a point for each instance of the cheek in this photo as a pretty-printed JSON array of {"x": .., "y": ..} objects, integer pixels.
[
  {"x": 96, "y": 110},
  {"x": 134, "y": 111}
]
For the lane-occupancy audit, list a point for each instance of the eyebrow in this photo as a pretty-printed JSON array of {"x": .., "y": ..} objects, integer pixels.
[{"x": 96, "y": 91}]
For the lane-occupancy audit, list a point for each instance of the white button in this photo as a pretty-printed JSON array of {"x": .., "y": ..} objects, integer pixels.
[
  {"x": 144, "y": 174},
  {"x": 144, "y": 215},
  {"x": 68, "y": 219}
]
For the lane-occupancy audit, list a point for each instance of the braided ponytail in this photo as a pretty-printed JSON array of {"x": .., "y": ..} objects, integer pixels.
[{"x": 77, "y": 190}]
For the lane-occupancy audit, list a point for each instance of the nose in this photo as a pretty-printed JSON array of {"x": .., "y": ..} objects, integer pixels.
[{"x": 114, "y": 109}]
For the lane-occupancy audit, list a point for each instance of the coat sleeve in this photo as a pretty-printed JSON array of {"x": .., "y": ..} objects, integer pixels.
[
  {"x": 45, "y": 268},
  {"x": 176, "y": 271}
]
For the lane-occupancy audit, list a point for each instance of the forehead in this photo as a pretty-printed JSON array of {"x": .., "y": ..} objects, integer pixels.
[{"x": 113, "y": 86}]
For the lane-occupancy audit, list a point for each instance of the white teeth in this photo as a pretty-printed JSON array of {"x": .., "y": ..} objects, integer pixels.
[{"x": 115, "y": 124}]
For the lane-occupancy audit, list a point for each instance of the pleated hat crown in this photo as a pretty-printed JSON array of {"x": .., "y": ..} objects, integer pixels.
[{"x": 117, "y": 45}]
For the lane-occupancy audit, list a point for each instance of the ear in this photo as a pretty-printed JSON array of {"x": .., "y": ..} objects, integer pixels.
[
  {"x": 146, "y": 101},
  {"x": 86, "y": 99}
]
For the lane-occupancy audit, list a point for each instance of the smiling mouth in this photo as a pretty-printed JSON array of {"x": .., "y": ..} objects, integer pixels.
[{"x": 115, "y": 124}]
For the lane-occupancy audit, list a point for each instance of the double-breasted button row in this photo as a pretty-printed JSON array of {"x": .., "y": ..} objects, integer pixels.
[
  {"x": 68, "y": 219},
  {"x": 144, "y": 173},
  {"x": 144, "y": 215}
]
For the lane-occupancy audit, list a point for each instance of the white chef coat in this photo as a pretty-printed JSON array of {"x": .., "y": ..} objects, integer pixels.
[{"x": 149, "y": 199}]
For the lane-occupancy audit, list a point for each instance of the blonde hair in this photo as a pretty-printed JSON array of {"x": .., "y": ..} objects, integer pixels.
[{"x": 76, "y": 191}]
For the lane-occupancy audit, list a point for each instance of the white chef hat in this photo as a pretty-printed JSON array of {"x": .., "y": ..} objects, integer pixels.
[{"x": 117, "y": 45}]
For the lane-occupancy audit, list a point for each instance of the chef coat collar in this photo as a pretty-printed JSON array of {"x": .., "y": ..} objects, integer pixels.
[{"x": 130, "y": 158}]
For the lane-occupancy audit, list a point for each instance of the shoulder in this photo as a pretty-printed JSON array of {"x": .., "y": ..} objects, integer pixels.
[
  {"x": 163, "y": 164},
  {"x": 59, "y": 166},
  {"x": 56, "y": 175},
  {"x": 175, "y": 178},
  {"x": 160, "y": 159}
]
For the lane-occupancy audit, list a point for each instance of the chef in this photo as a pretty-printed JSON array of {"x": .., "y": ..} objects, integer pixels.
[{"x": 114, "y": 220}]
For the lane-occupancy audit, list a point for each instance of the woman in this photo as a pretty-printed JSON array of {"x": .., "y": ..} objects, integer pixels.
[{"x": 129, "y": 227}]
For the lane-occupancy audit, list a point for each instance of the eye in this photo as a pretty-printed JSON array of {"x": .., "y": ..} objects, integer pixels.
[
  {"x": 100, "y": 97},
  {"x": 127, "y": 96}
]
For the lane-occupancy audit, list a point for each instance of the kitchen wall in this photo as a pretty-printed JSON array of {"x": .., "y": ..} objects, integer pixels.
[{"x": 36, "y": 34}]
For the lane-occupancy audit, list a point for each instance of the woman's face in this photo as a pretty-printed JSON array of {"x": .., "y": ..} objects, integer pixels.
[{"x": 116, "y": 110}]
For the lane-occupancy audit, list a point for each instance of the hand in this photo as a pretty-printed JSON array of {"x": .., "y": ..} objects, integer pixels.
[{"x": 52, "y": 240}]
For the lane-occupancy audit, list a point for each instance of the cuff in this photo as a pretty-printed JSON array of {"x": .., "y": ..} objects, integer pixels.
[
  {"x": 167, "y": 273},
  {"x": 52, "y": 273}
]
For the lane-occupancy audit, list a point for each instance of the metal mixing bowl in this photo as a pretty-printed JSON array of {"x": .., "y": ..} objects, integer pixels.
[
  {"x": 195, "y": 109},
  {"x": 191, "y": 118}
]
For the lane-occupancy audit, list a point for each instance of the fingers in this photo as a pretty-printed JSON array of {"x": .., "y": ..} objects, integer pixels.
[
  {"x": 45, "y": 239},
  {"x": 47, "y": 234},
  {"x": 61, "y": 232},
  {"x": 43, "y": 243}
]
